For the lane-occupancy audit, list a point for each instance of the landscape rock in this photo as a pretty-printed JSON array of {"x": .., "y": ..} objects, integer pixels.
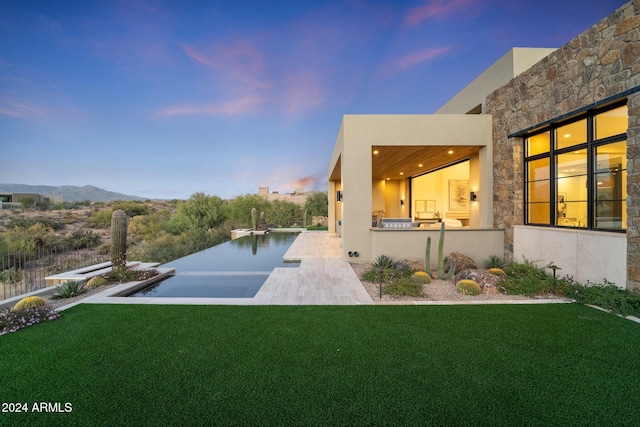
[
  {"x": 463, "y": 262},
  {"x": 487, "y": 281},
  {"x": 413, "y": 264}
]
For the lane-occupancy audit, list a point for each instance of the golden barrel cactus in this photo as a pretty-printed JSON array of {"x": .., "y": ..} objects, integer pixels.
[{"x": 468, "y": 287}]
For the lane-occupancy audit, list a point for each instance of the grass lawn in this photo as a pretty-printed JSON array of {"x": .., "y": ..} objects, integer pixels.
[{"x": 325, "y": 365}]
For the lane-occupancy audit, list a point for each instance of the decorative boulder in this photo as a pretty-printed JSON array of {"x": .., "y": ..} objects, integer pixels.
[
  {"x": 413, "y": 264},
  {"x": 482, "y": 278},
  {"x": 463, "y": 262}
]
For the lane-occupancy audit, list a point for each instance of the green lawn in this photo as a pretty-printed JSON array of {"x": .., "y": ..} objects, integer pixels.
[{"x": 326, "y": 365}]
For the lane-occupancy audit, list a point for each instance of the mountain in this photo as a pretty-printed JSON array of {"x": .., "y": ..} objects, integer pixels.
[{"x": 70, "y": 193}]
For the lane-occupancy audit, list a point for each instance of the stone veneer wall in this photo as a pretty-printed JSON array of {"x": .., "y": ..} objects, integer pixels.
[{"x": 598, "y": 65}]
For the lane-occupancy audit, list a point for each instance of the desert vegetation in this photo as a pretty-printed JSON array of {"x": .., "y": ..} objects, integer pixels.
[{"x": 53, "y": 236}]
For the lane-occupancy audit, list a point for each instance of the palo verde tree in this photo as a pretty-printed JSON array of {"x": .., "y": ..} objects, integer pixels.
[
  {"x": 317, "y": 204},
  {"x": 199, "y": 212}
]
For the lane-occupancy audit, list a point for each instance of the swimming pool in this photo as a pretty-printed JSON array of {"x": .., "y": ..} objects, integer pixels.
[{"x": 234, "y": 269}]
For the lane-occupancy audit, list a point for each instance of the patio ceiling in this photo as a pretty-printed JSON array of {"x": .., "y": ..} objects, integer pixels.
[{"x": 401, "y": 162}]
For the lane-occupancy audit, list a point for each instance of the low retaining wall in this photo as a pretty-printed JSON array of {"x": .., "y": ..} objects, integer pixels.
[{"x": 476, "y": 243}]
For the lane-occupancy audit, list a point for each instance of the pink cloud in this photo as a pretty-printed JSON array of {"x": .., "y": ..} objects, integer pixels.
[
  {"x": 414, "y": 58},
  {"x": 435, "y": 9},
  {"x": 241, "y": 63},
  {"x": 240, "y": 106},
  {"x": 303, "y": 91},
  {"x": 19, "y": 109}
]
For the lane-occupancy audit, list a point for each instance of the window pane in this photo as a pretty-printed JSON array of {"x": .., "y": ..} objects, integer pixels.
[
  {"x": 538, "y": 169},
  {"x": 538, "y": 144},
  {"x": 606, "y": 217},
  {"x": 571, "y": 214},
  {"x": 612, "y": 122},
  {"x": 571, "y": 164},
  {"x": 572, "y": 134},
  {"x": 539, "y": 191},
  {"x": 538, "y": 213},
  {"x": 611, "y": 156}
]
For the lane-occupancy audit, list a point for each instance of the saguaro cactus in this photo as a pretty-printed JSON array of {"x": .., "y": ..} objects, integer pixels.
[
  {"x": 445, "y": 269},
  {"x": 254, "y": 218},
  {"x": 427, "y": 256},
  {"x": 118, "y": 239}
]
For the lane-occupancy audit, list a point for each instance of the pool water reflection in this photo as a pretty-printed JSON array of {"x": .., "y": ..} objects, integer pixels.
[{"x": 234, "y": 269}]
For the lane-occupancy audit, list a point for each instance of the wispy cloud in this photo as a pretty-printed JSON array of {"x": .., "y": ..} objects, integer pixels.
[
  {"x": 17, "y": 108},
  {"x": 240, "y": 62},
  {"x": 413, "y": 59},
  {"x": 435, "y": 9},
  {"x": 245, "y": 105}
]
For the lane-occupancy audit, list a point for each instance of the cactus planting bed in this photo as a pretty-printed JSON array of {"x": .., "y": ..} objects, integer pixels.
[{"x": 154, "y": 365}]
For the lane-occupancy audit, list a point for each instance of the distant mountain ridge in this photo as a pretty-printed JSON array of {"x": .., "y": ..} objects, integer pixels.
[{"x": 70, "y": 193}]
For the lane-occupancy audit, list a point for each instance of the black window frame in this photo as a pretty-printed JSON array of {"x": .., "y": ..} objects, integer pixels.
[{"x": 590, "y": 146}]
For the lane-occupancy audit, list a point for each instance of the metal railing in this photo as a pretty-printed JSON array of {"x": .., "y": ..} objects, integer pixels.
[{"x": 21, "y": 273}]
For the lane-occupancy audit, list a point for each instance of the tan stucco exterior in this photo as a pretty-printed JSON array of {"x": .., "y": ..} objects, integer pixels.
[{"x": 350, "y": 170}]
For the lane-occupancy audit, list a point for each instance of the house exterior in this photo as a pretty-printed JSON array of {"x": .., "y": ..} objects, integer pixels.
[{"x": 538, "y": 157}]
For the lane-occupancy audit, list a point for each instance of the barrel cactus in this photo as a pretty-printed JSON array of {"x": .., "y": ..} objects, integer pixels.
[
  {"x": 96, "y": 282},
  {"x": 421, "y": 277},
  {"x": 468, "y": 287},
  {"x": 497, "y": 272},
  {"x": 29, "y": 302},
  {"x": 118, "y": 239}
]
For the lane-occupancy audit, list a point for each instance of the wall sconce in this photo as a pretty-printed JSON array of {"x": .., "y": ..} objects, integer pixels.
[
  {"x": 339, "y": 196},
  {"x": 473, "y": 196},
  {"x": 401, "y": 202}
]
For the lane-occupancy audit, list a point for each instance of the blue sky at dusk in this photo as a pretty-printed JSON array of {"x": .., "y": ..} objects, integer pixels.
[{"x": 162, "y": 99}]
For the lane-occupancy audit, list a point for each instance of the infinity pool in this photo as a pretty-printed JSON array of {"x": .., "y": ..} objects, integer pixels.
[{"x": 234, "y": 269}]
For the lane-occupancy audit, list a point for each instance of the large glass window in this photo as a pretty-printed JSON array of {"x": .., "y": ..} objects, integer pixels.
[{"x": 576, "y": 172}]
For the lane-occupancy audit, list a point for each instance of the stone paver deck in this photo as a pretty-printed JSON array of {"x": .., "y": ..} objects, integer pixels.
[{"x": 322, "y": 278}]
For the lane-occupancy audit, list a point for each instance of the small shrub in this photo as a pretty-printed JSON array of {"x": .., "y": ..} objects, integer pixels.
[
  {"x": 10, "y": 276},
  {"x": 383, "y": 261},
  {"x": 11, "y": 321},
  {"x": 421, "y": 277},
  {"x": 497, "y": 272},
  {"x": 404, "y": 287},
  {"x": 388, "y": 274},
  {"x": 96, "y": 282},
  {"x": 29, "y": 302},
  {"x": 468, "y": 287},
  {"x": 69, "y": 289},
  {"x": 125, "y": 275},
  {"x": 607, "y": 296},
  {"x": 80, "y": 239},
  {"x": 494, "y": 261}
]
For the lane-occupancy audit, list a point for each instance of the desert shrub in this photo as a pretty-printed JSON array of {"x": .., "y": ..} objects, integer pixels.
[
  {"x": 10, "y": 276},
  {"x": 29, "y": 303},
  {"x": 80, "y": 239},
  {"x": 126, "y": 274},
  {"x": 383, "y": 261},
  {"x": 28, "y": 222},
  {"x": 11, "y": 321},
  {"x": 421, "y": 277},
  {"x": 404, "y": 287},
  {"x": 606, "y": 295},
  {"x": 131, "y": 208},
  {"x": 468, "y": 287},
  {"x": 100, "y": 218},
  {"x": 69, "y": 289},
  {"x": 388, "y": 274},
  {"x": 525, "y": 278},
  {"x": 96, "y": 282}
]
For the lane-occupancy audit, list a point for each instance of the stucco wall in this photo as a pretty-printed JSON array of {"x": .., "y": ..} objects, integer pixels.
[
  {"x": 596, "y": 66},
  {"x": 478, "y": 244}
]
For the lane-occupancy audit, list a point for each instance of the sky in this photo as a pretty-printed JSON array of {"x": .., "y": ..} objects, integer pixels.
[{"x": 163, "y": 99}]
